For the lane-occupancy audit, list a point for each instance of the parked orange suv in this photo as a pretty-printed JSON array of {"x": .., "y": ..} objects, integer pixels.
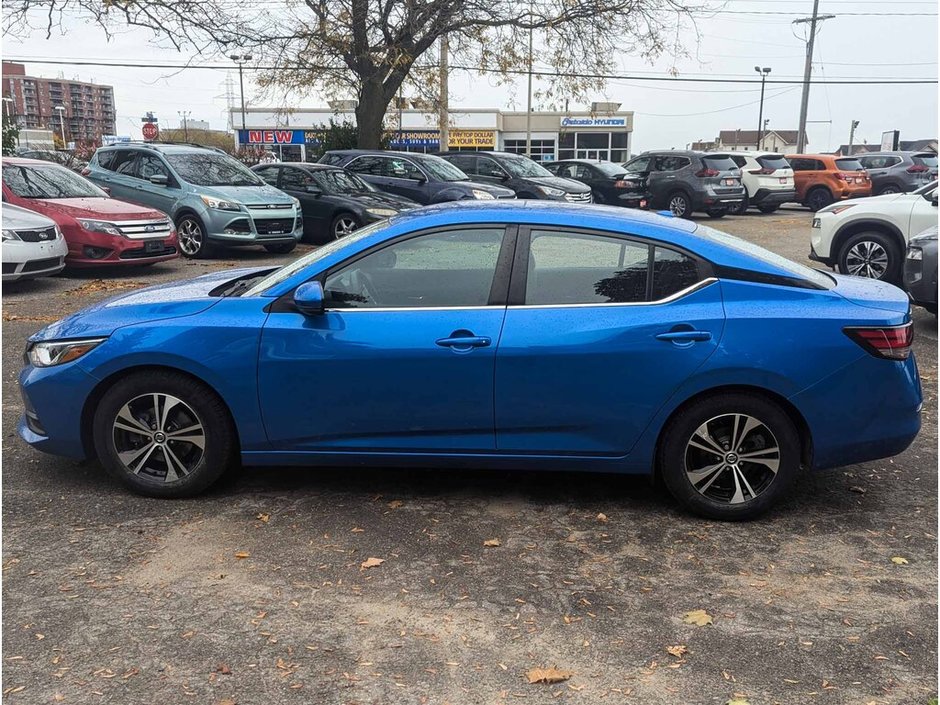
[{"x": 822, "y": 179}]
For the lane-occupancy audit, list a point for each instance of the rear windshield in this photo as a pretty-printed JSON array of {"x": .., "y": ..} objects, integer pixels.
[
  {"x": 773, "y": 161},
  {"x": 849, "y": 164},
  {"x": 926, "y": 160},
  {"x": 720, "y": 163},
  {"x": 799, "y": 271}
]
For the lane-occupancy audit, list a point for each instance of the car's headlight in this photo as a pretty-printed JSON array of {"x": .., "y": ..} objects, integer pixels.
[
  {"x": 915, "y": 253},
  {"x": 221, "y": 205},
  {"x": 553, "y": 192},
  {"x": 482, "y": 195},
  {"x": 382, "y": 212},
  {"x": 10, "y": 235},
  {"x": 100, "y": 226},
  {"x": 58, "y": 352}
]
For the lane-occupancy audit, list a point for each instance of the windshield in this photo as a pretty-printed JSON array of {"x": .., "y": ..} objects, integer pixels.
[
  {"x": 339, "y": 181},
  {"x": 925, "y": 160},
  {"x": 291, "y": 269},
  {"x": 442, "y": 170},
  {"x": 48, "y": 182},
  {"x": 800, "y": 271},
  {"x": 212, "y": 169},
  {"x": 609, "y": 168},
  {"x": 849, "y": 164},
  {"x": 521, "y": 166}
]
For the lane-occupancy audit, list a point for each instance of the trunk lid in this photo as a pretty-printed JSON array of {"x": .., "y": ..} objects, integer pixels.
[{"x": 872, "y": 293}]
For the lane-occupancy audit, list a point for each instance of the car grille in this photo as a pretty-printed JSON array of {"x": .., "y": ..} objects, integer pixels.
[
  {"x": 142, "y": 252},
  {"x": 44, "y": 235},
  {"x": 274, "y": 226},
  {"x": 271, "y": 207},
  {"x": 37, "y": 265},
  {"x": 579, "y": 197},
  {"x": 139, "y": 229}
]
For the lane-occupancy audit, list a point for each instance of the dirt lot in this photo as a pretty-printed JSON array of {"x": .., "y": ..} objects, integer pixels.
[{"x": 256, "y": 594}]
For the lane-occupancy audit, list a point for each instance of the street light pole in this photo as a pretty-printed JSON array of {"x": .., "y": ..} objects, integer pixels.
[
  {"x": 760, "y": 119},
  {"x": 184, "y": 114},
  {"x": 61, "y": 110},
  {"x": 240, "y": 59}
]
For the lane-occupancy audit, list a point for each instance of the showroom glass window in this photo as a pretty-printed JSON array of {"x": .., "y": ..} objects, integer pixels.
[
  {"x": 542, "y": 150},
  {"x": 452, "y": 268}
]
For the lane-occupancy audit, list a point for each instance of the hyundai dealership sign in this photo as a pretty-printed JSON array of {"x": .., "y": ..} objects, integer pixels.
[{"x": 593, "y": 122}]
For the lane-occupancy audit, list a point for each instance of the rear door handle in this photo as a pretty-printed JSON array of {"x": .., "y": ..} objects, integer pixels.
[{"x": 685, "y": 336}]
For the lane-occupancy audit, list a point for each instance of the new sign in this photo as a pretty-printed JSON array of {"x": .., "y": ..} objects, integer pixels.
[
  {"x": 278, "y": 137},
  {"x": 593, "y": 122}
]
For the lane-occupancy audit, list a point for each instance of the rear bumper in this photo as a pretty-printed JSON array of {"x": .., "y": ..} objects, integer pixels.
[{"x": 764, "y": 196}]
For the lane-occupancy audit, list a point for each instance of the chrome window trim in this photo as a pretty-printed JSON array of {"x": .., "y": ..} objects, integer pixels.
[{"x": 672, "y": 297}]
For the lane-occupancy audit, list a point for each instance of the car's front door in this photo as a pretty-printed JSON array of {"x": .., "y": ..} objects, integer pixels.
[
  {"x": 162, "y": 197},
  {"x": 406, "y": 179},
  {"x": 402, "y": 358},
  {"x": 600, "y": 331}
]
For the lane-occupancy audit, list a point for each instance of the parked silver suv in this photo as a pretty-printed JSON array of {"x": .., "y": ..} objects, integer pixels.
[{"x": 899, "y": 172}]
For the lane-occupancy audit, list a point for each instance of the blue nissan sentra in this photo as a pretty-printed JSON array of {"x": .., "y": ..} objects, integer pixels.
[{"x": 503, "y": 335}]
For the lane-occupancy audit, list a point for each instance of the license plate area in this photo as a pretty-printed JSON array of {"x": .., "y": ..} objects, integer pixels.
[
  {"x": 783, "y": 180},
  {"x": 153, "y": 246},
  {"x": 728, "y": 182}
]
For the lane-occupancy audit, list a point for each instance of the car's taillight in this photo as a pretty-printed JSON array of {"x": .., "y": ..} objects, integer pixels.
[
  {"x": 917, "y": 169},
  {"x": 620, "y": 183},
  {"x": 890, "y": 342},
  {"x": 765, "y": 171},
  {"x": 707, "y": 172}
]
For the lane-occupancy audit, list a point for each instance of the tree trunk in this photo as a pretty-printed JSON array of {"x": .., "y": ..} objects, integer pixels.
[{"x": 370, "y": 115}]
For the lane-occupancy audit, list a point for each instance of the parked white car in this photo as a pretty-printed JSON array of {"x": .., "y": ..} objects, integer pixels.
[
  {"x": 767, "y": 178},
  {"x": 868, "y": 236},
  {"x": 33, "y": 245}
]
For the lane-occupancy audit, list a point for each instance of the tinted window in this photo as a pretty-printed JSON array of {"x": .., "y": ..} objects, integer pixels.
[
  {"x": 105, "y": 159},
  {"x": 639, "y": 165},
  {"x": 293, "y": 179},
  {"x": 878, "y": 162},
  {"x": 150, "y": 165},
  {"x": 464, "y": 162},
  {"x": 48, "y": 182},
  {"x": 609, "y": 168},
  {"x": 721, "y": 163},
  {"x": 772, "y": 161},
  {"x": 670, "y": 163},
  {"x": 739, "y": 161},
  {"x": 442, "y": 169},
  {"x": 555, "y": 168},
  {"x": 672, "y": 272},
  {"x": 341, "y": 181},
  {"x": 212, "y": 169},
  {"x": 848, "y": 164},
  {"x": 332, "y": 158},
  {"x": 581, "y": 171},
  {"x": 401, "y": 168},
  {"x": 269, "y": 174},
  {"x": 368, "y": 165},
  {"x": 454, "y": 268},
  {"x": 487, "y": 167},
  {"x": 573, "y": 268},
  {"x": 798, "y": 164},
  {"x": 123, "y": 161},
  {"x": 925, "y": 160}
]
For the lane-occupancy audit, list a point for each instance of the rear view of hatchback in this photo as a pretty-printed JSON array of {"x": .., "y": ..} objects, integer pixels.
[
  {"x": 899, "y": 172},
  {"x": 767, "y": 178},
  {"x": 822, "y": 179}
]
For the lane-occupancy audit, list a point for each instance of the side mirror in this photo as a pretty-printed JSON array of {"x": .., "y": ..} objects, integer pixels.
[
  {"x": 159, "y": 179},
  {"x": 313, "y": 188},
  {"x": 308, "y": 298}
]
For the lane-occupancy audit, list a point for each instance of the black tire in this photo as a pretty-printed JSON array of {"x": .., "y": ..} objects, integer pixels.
[
  {"x": 768, "y": 208},
  {"x": 866, "y": 245},
  {"x": 819, "y": 197},
  {"x": 191, "y": 234},
  {"x": 199, "y": 405},
  {"x": 280, "y": 248},
  {"x": 717, "y": 212},
  {"x": 679, "y": 205},
  {"x": 676, "y": 451},
  {"x": 888, "y": 189},
  {"x": 343, "y": 224},
  {"x": 742, "y": 207}
]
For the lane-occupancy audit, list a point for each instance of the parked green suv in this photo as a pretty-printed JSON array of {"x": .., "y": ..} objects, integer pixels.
[{"x": 213, "y": 198}]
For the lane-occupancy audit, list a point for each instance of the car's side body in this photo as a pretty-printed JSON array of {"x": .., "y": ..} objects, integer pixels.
[
  {"x": 821, "y": 179},
  {"x": 564, "y": 386},
  {"x": 898, "y": 172}
]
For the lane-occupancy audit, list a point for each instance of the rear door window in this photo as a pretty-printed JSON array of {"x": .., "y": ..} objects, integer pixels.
[
  {"x": 368, "y": 164},
  {"x": 268, "y": 174},
  {"x": 671, "y": 163},
  {"x": 123, "y": 162},
  {"x": 672, "y": 272},
  {"x": 464, "y": 162}
]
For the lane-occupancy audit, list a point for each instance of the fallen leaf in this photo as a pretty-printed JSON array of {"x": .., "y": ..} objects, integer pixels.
[
  {"x": 263, "y": 517},
  {"x": 242, "y": 554},
  {"x": 58, "y": 697},
  {"x": 97, "y": 285},
  {"x": 602, "y": 517},
  {"x": 357, "y": 530},
  {"x": 737, "y": 701},
  {"x": 223, "y": 669},
  {"x": 227, "y": 701},
  {"x": 697, "y": 617},
  {"x": 371, "y": 563},
  {"x": 678, "y": 651},
  {"x": 548, "y": 675},
  {"x": 395, "y": 504},
  {"x": 492, "y": 543},
  {"x": 898, "y": 560}
]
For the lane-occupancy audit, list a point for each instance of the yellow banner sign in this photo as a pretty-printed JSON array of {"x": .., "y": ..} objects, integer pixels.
[{"x": 471, "y": 138}]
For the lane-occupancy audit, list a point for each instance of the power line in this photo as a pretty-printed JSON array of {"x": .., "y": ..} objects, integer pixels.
[{"x": 849, "y": 81}]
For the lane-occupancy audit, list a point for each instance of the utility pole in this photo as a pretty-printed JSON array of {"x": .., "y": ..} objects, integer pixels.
[
  {"x": 760, "y": 118},
  {"x": 808, "y": 71},
  {"x": 241, "y": 59},
  {"x": 852, "y": 137},
  {"x": 528, "y": 105},
  {"x": 443, "y": 111},
  {"x": 61, "y": 110},
  {"x": 184, "y": 114}
]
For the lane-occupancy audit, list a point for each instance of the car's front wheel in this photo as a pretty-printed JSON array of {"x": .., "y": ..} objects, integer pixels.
[
  {"x": 889, "y": 189},
  {"x": 191, "y": 234},
  {"x": 730, "y": 456},
  {"x": 343, "y": 225},
  {"x": 162, "y": 434},
  {"x": 871, "y": 254}
]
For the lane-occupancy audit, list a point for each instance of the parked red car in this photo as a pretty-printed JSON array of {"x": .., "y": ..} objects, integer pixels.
[{"x": 99, "y": 230}]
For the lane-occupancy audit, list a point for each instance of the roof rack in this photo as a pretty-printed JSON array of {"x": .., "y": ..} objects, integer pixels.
[{"x": 147, "y": 143}]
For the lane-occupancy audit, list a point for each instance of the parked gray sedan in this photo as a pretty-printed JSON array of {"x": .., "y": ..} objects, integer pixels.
[
  {"x": 920, "y": 269},
  {"x": 899, "y": 172}
]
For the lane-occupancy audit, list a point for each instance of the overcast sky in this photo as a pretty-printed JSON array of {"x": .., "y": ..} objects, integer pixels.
[{"x": 667, "y": 114}]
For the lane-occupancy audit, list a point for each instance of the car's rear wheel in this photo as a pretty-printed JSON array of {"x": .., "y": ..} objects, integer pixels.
[
  {"x": 281, "y": 248},
  {"x": 768, "y": 209},
  {"x": 679, "y": 205},
  {"x": 343, "y": 225},
  {"x": 818, "y": 198},
  {"x": 191, "y": 234},
  {"x": 742, "y": 207},
  {"x": 871, "y": 254},
  {"x": 730, "y": 456},
  {"x": 162, "y": 434}
]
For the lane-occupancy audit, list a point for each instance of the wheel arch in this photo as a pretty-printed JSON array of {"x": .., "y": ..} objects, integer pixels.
[
  {"x": 188, "y": 210},
  {"x": 96, "y": 394},
  {"x": 865, "y": 224}
]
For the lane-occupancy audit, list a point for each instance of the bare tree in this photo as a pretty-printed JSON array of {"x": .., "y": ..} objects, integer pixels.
[{"x": 368, "y": 49}]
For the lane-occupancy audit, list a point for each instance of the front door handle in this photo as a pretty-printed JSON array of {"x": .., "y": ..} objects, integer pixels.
[
  {"x": 463, "y": 340},
  {"x": 685, "y": 336}
]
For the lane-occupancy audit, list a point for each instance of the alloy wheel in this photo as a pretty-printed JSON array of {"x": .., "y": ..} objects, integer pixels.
[
  {"x": 867, "y": 259},
  {"x": 678, "y": 205},
  {"x": 344, "y": 226},
  {"x": 732, "y": 458},
  {"x": 158, "y": 437},
  {"x": 189, "y": 233}
]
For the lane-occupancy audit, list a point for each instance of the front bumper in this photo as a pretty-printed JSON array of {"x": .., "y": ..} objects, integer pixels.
[
  {"x": 90, "y": 249},
  {"x": 30, "y": 260},
  {"x": 247, "y": 228},
  {"x": 764, "y": 196}
]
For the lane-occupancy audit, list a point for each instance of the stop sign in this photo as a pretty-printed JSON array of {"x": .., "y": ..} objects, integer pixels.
[{"x": 150, "y": 130}]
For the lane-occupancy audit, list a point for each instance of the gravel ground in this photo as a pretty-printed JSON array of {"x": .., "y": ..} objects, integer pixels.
[{"x": 256, "y": 593}]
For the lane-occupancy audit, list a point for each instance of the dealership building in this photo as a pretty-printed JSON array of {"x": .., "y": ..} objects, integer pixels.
[{"x": 290, "y": 133}]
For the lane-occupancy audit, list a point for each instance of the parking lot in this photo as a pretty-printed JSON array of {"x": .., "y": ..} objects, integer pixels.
[{"x": 265, "y": 590}]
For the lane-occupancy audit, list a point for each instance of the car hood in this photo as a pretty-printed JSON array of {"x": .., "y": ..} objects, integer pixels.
[
  {"x": 498, "y": 191},
  {"x": 154, "y": 303},
  {"x": 249, "y": 195},
  {"x": 369, "y": 199},
  {"x": 107, "y": 208},
  {"x": 567, "y": 185},
  {"x": 17, "y": 218}
]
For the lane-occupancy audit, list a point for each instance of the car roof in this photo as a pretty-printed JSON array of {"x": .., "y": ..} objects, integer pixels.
[
  {"x": 817, "y": 156},
  {"x": 26, "y": 161},
  {"x": 316, "y": 166},
  {"x": 164, "y": 147},
  {"x": 747, "y": 153},
  {"x": 378, "y": 153},
  {"x": 897, "y": 153}
]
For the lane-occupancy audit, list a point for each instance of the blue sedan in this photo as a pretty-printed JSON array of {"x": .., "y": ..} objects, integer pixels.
[{"x": 517, "y": 335}]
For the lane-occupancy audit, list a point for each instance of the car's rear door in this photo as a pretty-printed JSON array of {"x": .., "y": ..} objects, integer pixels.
[
  {"x": 403, "y": 357},
  {"x": 600, "y": 330}
]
